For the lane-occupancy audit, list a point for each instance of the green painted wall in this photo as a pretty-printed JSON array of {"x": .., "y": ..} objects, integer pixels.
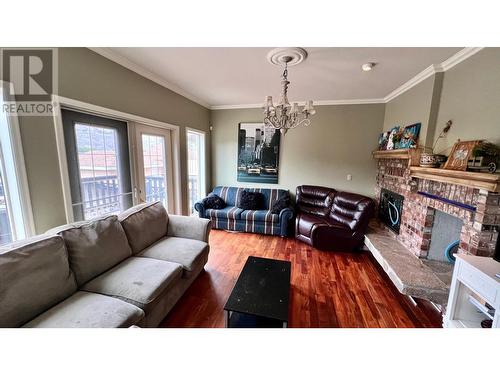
[
  {"x": 416, "y": 105},
  {"x": 471, "y": 98},
  {"x": 338, "y": 142},
  {"x": 89, "y": 77},
  {"x": 468, "y": 94}
]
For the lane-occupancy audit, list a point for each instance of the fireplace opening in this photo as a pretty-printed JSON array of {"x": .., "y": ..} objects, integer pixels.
[
  {"x": 497, "y": 250},
  {"x": 445, "y": 237},
  {"x": 390, "y": 208}
]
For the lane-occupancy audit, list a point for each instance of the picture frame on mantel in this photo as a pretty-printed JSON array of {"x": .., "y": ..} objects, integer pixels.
[{"x": 460, "y": 155}]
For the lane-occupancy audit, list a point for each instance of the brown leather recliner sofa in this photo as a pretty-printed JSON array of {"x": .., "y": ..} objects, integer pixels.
[{"x": 331, "y": 220}]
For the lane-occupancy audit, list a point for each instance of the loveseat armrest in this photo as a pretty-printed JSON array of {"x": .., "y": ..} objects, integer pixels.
[
  {"x": 286, "y": 215},
  {"x": 198, "y": 206},
  {"x": 194, "y": 228}
]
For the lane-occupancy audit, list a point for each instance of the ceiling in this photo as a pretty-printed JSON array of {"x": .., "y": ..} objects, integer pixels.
[{"x": 243, "y": 76}]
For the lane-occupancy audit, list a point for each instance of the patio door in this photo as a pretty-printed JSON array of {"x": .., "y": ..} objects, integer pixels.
[
  {"x": 154, "y": 165},
  {"x": 97, "y": 154}
]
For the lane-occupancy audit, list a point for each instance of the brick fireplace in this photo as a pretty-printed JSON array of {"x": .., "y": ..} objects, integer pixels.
[{"x": 477, "y": 207}]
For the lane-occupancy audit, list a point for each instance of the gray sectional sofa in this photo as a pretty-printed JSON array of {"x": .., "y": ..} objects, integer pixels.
[{"x": 115, "y": 271}]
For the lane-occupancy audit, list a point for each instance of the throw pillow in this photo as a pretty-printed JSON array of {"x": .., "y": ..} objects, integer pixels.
[
  {"x": 213, "y": 201},
  {"x": 280, "y": 204},
  {"x": 251, "y": 201}
]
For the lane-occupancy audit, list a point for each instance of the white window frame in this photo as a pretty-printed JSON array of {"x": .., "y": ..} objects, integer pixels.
[
  {"x": 72, "y": 104},
  {"x": 203, "y": 164},
  {"x": 15, "y": 177}
]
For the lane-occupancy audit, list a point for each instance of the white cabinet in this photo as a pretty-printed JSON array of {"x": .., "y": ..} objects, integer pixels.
[{"x": 474, "y": 293}]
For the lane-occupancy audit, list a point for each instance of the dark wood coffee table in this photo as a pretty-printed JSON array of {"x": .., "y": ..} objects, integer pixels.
[{"x": 260, "y": 297}]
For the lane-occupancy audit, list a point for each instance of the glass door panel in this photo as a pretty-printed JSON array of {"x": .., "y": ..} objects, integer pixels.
[
  {"x": 100, "y": 179},
  {"x": 97, "y": 152},
  {"x": 196, "y": 167},
  {"x": 154, "y": 165}
]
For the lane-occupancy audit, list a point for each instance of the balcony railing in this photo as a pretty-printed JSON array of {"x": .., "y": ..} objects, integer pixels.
[
  {"x": 103, "y": 195},
  {"x": 194, "y": 191}
]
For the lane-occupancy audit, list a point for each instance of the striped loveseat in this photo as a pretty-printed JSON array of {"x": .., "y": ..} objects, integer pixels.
[{"x": 256, "y": 221}]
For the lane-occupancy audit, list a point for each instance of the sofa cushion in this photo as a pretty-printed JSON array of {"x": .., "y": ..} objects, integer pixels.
[
  {"x": 188, "y": 253},
  {"x": 306, "y": 223},
  {"x": 351, "y": 209},
  {"x": 213, "y": 201},
  {"x": 280, "y": 204},
  {"x": 232, "y": 195},
  {"x": 251, "y": 200},
  {"x": 136, "y": 280},
  {"x": 315, "y": 200},
  {"x": 144, "y": 224},
  {"x": 229, "y": 194},
  {"x": 89, "y": 310},
  {"x": 94, "y": 246},
  {"x": 270, "y": 196},
  {"x": 229, "y": 212},
  {"x": 260, "y": 215},
  {"x": 34, "y": 276}
]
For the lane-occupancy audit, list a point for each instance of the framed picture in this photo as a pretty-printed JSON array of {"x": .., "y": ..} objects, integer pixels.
[
  {"x": 382, "y": 140},
  {"x": 460, "y": 155},
  {"x": 258, "y": 153},
  {"x": 409, "y": 138},
  {"x": 393, "y": 138}
]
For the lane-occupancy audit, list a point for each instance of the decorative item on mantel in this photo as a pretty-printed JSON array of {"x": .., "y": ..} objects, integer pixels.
[
  {"x": 399, "y": 138},
  {"x": 460, "y": 155},
  {"x": 485, "y": 157},
  {"x": 431, "y": 159}
]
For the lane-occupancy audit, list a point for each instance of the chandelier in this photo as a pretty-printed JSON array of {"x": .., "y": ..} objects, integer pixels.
[{"x": 285, "y": 116}]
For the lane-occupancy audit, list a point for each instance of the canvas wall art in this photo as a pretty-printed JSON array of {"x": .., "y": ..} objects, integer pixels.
[
  {"x": 258, "y": 153},
  {"x": 382, "y": 140},
  {"x": 409, "y": 138}
]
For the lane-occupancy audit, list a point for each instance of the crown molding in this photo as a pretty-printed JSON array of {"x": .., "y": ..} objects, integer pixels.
[
  {"x": 316, "y": 103},
  {"x": 123, "y": 61},
  {"x": 449, "y": 63},
  {"x": 422, "y": 76},
  {"x": 460, "y": 56},
  {"x": 452, "y": 61},
  {"x": 236, "y": 106}
]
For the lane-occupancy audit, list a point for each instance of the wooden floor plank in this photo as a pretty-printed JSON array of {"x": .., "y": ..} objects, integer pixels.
[{"x": 329, "y": 289}]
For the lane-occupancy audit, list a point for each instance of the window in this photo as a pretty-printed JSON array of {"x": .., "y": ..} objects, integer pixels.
[
  {"x": 196, "y": 167},
  {"x": 98, "y": 165},
  {"x": 5, "y": 227},
  {"x": 16, "y": 220},
  {"x": 153, "y": 152}
]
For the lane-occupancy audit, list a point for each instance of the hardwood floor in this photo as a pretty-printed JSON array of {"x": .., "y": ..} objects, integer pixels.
[{"x": 329, "y": 289}]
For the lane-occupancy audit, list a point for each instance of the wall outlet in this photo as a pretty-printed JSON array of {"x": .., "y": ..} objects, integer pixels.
[{"x": 349, "y": 177}]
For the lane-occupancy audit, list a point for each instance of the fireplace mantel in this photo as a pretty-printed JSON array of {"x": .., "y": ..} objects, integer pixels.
[
  {"x": 411, "y": 154},
  {"x": 486, "y": 181}
]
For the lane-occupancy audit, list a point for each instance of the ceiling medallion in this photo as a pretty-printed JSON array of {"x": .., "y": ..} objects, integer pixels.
[{"x": 285, "y": 116}]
